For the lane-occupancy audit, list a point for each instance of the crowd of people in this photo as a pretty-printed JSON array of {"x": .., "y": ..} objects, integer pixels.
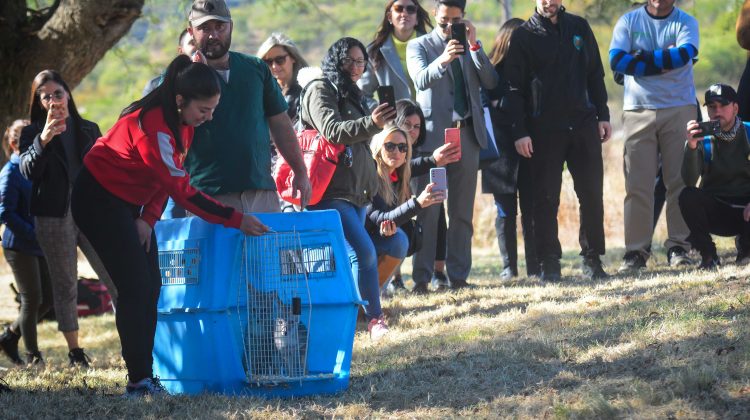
[{"x": 206, "y": 132}]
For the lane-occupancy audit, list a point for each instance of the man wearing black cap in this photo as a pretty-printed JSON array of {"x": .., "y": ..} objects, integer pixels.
[
  {"x": 720, "y": 205},
  {"x": 230, "y": 157}
]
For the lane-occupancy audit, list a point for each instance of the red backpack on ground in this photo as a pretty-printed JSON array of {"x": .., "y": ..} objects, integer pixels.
[{"x": 93, "y": 298}]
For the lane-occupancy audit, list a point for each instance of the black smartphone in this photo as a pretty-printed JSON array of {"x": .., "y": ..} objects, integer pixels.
[
  {"x": 458, "y": 32},
  {"x": 709, "y": 128},
  {"x": 386, "y": 95}
]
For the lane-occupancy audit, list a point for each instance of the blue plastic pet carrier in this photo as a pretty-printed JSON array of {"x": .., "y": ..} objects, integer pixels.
[{"x": 272, "y": 315}]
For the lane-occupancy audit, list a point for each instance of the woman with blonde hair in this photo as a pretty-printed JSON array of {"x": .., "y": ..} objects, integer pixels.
[
  {"x": 508, "y": 178},
  {"x": 394, "y": 205},
  {"x": 284, "y": 60}
]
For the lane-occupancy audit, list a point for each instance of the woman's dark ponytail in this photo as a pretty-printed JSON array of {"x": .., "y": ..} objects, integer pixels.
[{"x": 182, "y": 77}]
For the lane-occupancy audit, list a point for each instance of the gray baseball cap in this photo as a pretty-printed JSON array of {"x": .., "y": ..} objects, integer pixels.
[{"x": 204, "y": 10}]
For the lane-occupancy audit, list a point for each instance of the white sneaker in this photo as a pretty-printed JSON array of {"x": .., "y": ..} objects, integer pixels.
[{"x": 377, "y": 328}]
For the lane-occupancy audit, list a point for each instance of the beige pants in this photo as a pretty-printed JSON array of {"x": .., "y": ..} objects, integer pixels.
[
  {"x": 648, "y": 134},
  {"x": 251, "y": 201}
]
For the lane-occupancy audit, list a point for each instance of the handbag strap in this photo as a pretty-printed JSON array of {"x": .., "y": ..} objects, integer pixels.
[{"x": 300, "y": 124}]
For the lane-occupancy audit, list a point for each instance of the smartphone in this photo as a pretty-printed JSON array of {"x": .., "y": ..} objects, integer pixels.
[
  {"x": 439, "y": 178},
  {"x": 453, "y": 135},
  {"x": 458, "y": 32},
  {"x": 709, "y": 128},
  {"x": 386, "y": 95}
]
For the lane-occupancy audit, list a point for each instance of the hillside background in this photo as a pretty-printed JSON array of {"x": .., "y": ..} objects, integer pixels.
[{"x": 314, "y": 24}]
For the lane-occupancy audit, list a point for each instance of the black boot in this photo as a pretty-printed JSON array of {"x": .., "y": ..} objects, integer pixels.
[
  {"x": 34, "y": 359},
  {"x": 505, "y": 228},
  {"x": 9, "y": 345},
  {"x": 592, "y": 268},
  {"x": 551, "y": 270}
]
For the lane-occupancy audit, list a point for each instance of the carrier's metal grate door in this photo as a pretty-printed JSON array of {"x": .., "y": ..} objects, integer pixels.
[
  {"x": 180, "y": 267},
  {"x": 277, "y": 324}
]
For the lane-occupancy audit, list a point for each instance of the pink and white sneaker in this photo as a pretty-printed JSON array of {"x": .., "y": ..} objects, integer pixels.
[{"x": 377, "y": 328}]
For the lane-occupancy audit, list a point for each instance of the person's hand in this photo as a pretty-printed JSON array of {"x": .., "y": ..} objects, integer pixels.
[
  {"x": 524, "y": 147},
  {"x": 452, "y": 50},
  {"x": 428, "y": 197},
  {"x": 54, "y": 125},
  {"x": 471, "y": 33},
  {"x": 144, "y": 233},
  {"x": 387, "y": 228},
  {"x": 605, "y": 131},
  {"x": 301, "y": 187},
  {"x": 252, "y": 226},
  {"x": 383, "y": 114},
  {"x": 198, "y": 57},
  {"x": 694, "y": 134},
  {"x": 447, "y": 153},
  {"x": 746, "y": 213}
]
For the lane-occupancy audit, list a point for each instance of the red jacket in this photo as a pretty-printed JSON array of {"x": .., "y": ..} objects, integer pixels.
[{"x": 141, "y": 165}]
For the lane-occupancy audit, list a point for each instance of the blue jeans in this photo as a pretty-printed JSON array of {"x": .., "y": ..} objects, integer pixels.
[
  {"x": 396, "y": 245},
  {"x": 361, "y": 250}
]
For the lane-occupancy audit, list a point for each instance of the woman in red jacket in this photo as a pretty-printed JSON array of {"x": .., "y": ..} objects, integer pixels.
[{"x": 121, "y": 191}]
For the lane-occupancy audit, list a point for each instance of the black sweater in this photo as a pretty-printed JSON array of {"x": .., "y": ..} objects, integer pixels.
[
  {"x": 378, "y": 211},
  {"x": 555, "y": 75}
]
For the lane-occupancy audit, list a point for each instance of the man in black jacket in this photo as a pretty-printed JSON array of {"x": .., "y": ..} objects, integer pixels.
[{"x": 559, "y": 112}]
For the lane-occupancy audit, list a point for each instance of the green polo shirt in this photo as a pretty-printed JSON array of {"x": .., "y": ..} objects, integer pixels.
[{"x": 232, "y": 152}]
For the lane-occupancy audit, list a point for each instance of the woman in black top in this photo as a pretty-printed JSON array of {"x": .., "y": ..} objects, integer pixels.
[
  {"x": 52, "y": 150},
  {"x": 509, "y": 178},
  {"x": 394, "y": 204}
]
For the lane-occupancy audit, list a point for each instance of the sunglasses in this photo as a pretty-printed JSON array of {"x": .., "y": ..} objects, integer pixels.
[
  {"x": 391, "y": 147},
  {"x": 444, "y": 25},
  {"x": 410, "y": 9},
  {"x": 56, "y": 95},
  {"x": 280, "y": 60}
]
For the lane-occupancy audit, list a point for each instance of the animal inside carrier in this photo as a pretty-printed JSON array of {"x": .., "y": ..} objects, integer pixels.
[{"x": 271, "y": 315}]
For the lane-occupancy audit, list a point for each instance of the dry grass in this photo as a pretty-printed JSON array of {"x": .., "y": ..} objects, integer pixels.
[
  {"x": 667, "y": 344},
  {"x": 614, "y": 194}
]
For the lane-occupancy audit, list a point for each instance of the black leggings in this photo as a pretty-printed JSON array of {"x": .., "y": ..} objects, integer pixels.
[
  {"x": 35, "y": 290},
  {"x": 109, "y": 224}
]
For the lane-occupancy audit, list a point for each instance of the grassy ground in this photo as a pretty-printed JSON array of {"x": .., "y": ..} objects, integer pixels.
[{"x": 666, "y": 344}]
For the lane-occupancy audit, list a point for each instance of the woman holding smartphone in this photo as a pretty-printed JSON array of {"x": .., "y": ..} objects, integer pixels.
[
  {"x": 121, "y": 191},
  {"x": 394, "y": 204},
  {"x": 52, "y": 151},
  {"x": 403, "y": 21},
  {"x": 332, "y": 104}
]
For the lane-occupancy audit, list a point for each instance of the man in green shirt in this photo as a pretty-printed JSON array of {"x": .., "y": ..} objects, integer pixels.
[
  {"x": 230, "y": 157},
  {"x": 720, "y": 205}
]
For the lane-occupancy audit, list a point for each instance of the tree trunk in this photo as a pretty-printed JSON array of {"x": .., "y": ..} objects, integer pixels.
[{"x": 71, "y": 36}]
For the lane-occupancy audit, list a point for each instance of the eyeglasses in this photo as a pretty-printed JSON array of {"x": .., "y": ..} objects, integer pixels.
[
  {"x": 57, "y": 95},
  {"x": 444, "y": 25},
  {"x": 407, "y": 126},
  {"x": 280, "y": 60},
  {"x": 410, "y": 9},
  {"x": 352, "y": 62},
  {"x": 391, "y": 147}
]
